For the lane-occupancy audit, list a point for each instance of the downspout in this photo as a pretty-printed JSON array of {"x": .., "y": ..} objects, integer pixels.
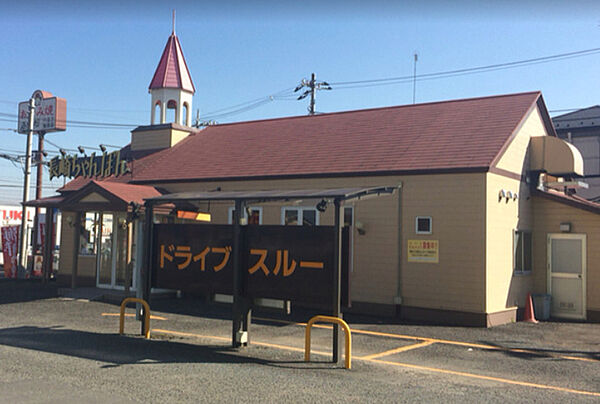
[{"x": 398, "y": 298}]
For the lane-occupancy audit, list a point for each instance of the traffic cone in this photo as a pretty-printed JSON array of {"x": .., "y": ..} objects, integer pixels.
[{"x": 528, "y": 316}]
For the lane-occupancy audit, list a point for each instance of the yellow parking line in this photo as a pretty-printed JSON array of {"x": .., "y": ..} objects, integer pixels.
[
  {"x": 152, "y": 317},
  {"x": 265, "y": 344},
  {"x": 399, "y": 364},
  {"x": 490, "y": 378},
  {"x": 395, "y": 351},
  {"x": 442, "y": 341}
]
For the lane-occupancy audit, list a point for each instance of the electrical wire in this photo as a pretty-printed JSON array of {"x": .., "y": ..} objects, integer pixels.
[{"x": 464, "y": 71}]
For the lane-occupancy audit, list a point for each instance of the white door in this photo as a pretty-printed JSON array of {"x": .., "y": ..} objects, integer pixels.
[{"x": 566, "y": 275}]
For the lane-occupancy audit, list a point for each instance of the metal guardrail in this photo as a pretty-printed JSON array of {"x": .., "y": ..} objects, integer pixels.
[
  {"x": 146, "y": 314},
  {"x": 333, "y": 320}
]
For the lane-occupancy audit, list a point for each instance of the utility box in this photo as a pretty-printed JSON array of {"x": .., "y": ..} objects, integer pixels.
[{"x": 541, "y": 306}]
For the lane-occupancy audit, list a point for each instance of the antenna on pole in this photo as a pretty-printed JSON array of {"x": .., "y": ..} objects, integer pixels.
[
  {"x": 415, "y": 76},
  {"x": 173, "y": 21}
]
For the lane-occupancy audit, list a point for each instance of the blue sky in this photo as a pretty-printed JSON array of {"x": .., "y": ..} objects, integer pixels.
[{"x": 100, "y": 57}]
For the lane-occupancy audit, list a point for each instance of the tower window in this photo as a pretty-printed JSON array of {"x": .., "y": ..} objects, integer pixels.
[
  {"x": 157, "y": 115},
  {"x": 172, "y": 116}
]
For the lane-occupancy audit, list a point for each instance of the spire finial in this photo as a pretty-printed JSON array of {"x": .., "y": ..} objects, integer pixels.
[{"x": 173, "y": 21}]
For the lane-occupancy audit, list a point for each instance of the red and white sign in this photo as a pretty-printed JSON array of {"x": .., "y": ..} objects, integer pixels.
[
  {"x": 50, "y": 113},
  {"x": 10, "y": 243}
]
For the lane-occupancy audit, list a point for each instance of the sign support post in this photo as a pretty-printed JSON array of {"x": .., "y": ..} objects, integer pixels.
[
  {"x": 23, "y": 238},
  {"x": 147, "y": 261},
  {"x": 242, "y": 313},
  {"x": 337, "y": 271}
]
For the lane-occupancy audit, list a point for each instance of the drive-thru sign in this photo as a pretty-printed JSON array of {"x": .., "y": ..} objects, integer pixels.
[{"x": 281, "y": 262}]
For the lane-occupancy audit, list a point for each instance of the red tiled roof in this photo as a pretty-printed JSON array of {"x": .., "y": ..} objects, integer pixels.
[
  {"x": 79, "y": 182},
  {"x": 172, "y": 71},
  {"x": 452, "y": 135},
  {"x": 129, "y": 192},
  {"x": 49, "y": 201}
]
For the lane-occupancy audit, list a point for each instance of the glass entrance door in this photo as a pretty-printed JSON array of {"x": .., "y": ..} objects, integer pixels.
[
  {"x": 105, "y": 252},
  {"x": 111, "y": 267}
]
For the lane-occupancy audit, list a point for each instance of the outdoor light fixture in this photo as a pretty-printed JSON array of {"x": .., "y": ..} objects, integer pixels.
[
  {"x": 322, "y": 206},
  {"x": 81, "y": 149},
  {"x": 360, "y": 228},
  {"x": 103, "y": 148}
]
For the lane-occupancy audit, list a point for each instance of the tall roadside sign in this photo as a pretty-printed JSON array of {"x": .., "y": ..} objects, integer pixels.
[{"x": 42, "y": 113}]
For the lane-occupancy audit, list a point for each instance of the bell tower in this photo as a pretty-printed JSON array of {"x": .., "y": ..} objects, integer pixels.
[
  {"x": 171, "y": 90},
  {"x": 171, "y": 87}
]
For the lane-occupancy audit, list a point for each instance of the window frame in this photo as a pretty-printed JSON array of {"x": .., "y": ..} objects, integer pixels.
[
  {"x": 521, "y": 237},
  {"x": 417, "y": 231},
  {"x": 251, "y": 208},
  {"x": 300, "y": 210}
]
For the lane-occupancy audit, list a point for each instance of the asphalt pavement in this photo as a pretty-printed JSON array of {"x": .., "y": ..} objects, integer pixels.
[{"x": 56, "y": 349}]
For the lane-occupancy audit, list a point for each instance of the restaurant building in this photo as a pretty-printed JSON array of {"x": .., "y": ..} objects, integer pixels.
[{"x": 484, "y": 212}]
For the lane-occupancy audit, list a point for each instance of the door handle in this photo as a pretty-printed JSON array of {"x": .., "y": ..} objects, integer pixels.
[{"x": 580, "y": 276}]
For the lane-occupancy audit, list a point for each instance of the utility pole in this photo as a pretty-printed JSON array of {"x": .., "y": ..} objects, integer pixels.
[
  {"x": 38, "y": 190},
  {"x": 23, "y": 238},
  {"x": 312, "y": 87}
]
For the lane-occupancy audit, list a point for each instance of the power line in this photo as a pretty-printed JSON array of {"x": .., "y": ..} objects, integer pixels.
[{"x": 464, "y": 71}]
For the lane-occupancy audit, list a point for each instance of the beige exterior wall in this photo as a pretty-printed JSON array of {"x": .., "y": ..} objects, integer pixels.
[
  {"x": 505, "y": 290},
  {"x": 156, "y": 139},
  {"x": 456, "y": 204},
  {"x": 548, "y": 216},
  {"x": 515, "y": 158},
  {"x": 454, "y": 201},
  {"x": 65, "y": 265}
]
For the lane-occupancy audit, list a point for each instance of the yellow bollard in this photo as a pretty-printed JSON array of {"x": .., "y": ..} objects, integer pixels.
[
  {"x": 333, "y": 320},
  {"x": 146, "y": 315}
]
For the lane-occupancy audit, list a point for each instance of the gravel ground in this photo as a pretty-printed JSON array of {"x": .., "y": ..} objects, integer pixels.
[{"x": 63, "y": 350}]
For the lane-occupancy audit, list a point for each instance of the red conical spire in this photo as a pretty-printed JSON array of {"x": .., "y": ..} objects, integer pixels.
[{"x": 172, "y": 71}]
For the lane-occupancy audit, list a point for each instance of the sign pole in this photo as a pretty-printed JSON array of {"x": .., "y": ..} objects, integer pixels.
[
  {"x": 38, "y": 194},
  {"x": 147, "y": 263},
  {"x": 23, "y": 238},
  {"x": 241, "y": 306},
  {"x": 337, "y": 262}
]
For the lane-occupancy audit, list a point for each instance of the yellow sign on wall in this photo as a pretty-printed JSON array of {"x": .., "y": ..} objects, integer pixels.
[{"x": 423, "y": 251}]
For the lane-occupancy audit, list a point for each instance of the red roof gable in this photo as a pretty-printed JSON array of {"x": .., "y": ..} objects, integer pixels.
[
  {"x": 129, "y": 192},
  {"x": 172, "y": 71},
  {"x": 463, "y": 134}
]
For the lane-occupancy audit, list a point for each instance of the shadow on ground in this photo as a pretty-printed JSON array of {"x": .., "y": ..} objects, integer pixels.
[
  {"x": 521, "y": 352},
  {"x": 115, "y": 349}
]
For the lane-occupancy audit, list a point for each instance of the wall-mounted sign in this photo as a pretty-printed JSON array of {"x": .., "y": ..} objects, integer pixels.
[
  {"x": 50, "y": 113},
  {"x": 423, "y": 251},
  {"x": 92, "y": 166},
  {"x": 280, "y": 262}
]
